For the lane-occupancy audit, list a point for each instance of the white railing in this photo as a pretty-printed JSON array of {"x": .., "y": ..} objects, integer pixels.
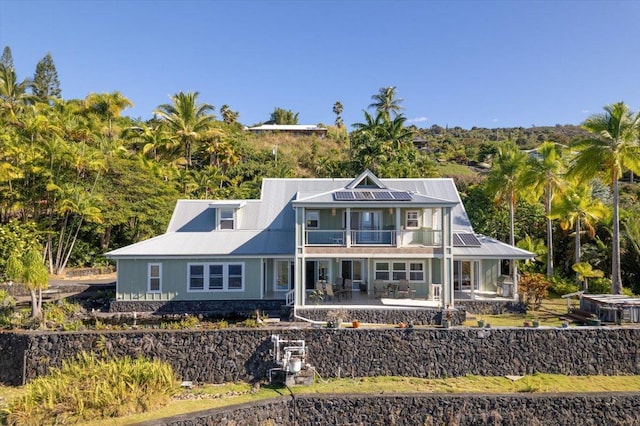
[
  {"x": 422, "y": 237},
  {"x": 290, "y": 298},
  {"x": 373, "y": 237},
  {"x": 324, "y": 237}
]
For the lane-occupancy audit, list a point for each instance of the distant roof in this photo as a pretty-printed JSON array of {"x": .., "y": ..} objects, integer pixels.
[{"x": 288, "y": 127}]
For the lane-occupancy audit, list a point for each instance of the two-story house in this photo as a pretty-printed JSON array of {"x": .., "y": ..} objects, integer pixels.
[{"x": 354, "y": 241}]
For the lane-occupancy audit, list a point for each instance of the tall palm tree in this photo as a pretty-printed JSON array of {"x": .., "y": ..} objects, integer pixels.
[
  {"x": 188, "y": 119},
  {"x": 505, "y": 182},
  {"x": 546, "y": 176},
  {"x": 578, "y": 208},
  {"x": 386, "y": 102},
  {"x": 613, "y": 149}
]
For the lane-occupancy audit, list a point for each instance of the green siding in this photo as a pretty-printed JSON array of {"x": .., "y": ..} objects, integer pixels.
[{"x": 132, "y": 280}]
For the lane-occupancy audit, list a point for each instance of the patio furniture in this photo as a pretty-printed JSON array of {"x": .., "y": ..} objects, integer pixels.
[
  {"x": 379, "y": 289},
  {"x": 403, "y": 289},
  {"x": 392, "y": 289},
  {"x": 329, "y": 292}
]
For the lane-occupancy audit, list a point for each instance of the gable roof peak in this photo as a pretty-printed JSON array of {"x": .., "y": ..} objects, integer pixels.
[{"x": 366, "y": 179}]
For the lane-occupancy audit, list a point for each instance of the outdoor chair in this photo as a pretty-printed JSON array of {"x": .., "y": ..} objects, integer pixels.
[
  {"x": 403, "y": 289},
  {"x": 329, "y": 292},
  {"x": 379, "y": 289}
]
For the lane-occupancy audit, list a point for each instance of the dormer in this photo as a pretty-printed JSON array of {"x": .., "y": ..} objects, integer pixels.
[{"x": 227, "y": 213}]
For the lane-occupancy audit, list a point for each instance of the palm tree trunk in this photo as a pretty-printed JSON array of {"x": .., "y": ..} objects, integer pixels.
[
  {"x": 549, "y": 234},
  {"x": 616, "y": 276},
  {"x": 577, "y": 247}
]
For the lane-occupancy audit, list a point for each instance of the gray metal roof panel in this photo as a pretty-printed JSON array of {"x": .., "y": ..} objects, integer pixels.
[{"x": 491, "y": 249}]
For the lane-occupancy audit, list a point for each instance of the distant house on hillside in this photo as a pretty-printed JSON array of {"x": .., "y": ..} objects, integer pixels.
[{"x": 292, "y": 129}]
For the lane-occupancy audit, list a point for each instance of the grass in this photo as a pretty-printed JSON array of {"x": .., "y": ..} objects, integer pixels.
[
  {"x": 548, "y": 315},
  {"x": 214, "y": 396}
]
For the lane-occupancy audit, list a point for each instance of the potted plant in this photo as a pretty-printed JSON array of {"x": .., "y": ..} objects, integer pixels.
[
  {"x": 355, "y": 324},
  {"x": 481, "y": 323},
  {"x": 536, "y": 323},
  {"x": 447, "y": 317},
  {"x": 316, "y": 296},
  {"x": 335, "y": 318}
]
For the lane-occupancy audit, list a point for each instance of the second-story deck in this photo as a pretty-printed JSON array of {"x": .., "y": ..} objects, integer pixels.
[{"x": 389, "y": 238}]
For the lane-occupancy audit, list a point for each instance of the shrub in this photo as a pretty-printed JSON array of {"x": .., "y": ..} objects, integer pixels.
[
  {"x": 533, "y": 288},
  {"x": 88, "y": 388},
  {"x": 561, "y": 286},
  {"x": 189, "y": 321},
  {"x": 599, "y": 286},
  {"x": 62, "y": 313},
  {"x": 7, "y": 304}
]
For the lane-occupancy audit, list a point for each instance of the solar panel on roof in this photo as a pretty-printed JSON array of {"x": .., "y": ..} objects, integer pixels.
[
  {"x": 401, "y": 196},
  {"x": 382, "y": 195},
  {"x": 343, "y": 195},
  {"x": 465, "y": 240}
]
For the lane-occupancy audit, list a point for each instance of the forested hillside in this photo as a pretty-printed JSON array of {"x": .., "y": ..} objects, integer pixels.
[{"x": 78, "y": 177}]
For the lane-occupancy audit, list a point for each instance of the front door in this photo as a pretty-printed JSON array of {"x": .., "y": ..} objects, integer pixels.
[
  {"x": 368, "y": 224},
  {"x": 316, "y": 270}
]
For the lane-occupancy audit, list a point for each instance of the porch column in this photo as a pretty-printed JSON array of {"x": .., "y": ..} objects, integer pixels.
[
  {"x": 347, "y": 238},
  {"x": 447, "y": 257},
  {"x": 398, "y": 228}
]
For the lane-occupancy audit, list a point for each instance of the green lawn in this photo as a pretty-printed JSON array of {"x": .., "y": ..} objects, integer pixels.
[{"x": 548, "y": 315}]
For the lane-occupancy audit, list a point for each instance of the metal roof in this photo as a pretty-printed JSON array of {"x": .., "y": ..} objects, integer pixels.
[{"x": 267, "y": 226}]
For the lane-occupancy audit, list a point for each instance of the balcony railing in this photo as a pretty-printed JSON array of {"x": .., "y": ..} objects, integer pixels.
[{"x": 420, "y": 237}]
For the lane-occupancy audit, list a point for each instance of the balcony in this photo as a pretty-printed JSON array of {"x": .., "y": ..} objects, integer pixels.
[{"x": 337, "y": 237}]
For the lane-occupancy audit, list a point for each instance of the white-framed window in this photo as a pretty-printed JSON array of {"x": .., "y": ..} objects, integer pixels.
[
  {"x": 313, "y": 219},
  {"x": 416, "y": 271},
  {"x": 227, "y": 219},
  {"x": 413, "y": 219},
  {"x": 196, "y": 277},
  {"x": 216, "y": 277},
  {"x": 399, "y": 271},
  {"x": 219, "y": 276},
  {"x": 154, "y": 278},
  {"x": 283, "y": 275},
  {"x": 382, "y": 271}
]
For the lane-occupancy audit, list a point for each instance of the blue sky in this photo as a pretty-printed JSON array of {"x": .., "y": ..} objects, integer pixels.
[{"x": 456, "y": 63}]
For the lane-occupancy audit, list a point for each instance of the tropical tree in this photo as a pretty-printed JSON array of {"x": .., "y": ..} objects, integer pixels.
[
  {"x": 45, "y": 80},
  {"x": 187, "y": 119},
  {"x": 584, "y": 271},
  {"x": 534, "y": 246},
  {"x": 546, "y": 175},
  {"x": 229, "y": 116},
  {"x": 28, "y": 268},
  {"x": 613, "y": 149},
  {"x": 6, "y": 60},
  {"x": 506, "y": 184},
  {"x": 506, "y": 180},
  {"x": 386, "y": 102},
  {"x": 337, "y": 110},
  {"x": 14, "y": 95},
  {"x": 577, "y": 208},
  {"x": 283, "y": 116}
]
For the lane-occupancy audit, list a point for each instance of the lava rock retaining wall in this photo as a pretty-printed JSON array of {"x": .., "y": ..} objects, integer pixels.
[
  {"x": 531, "y": 409},
  {"x": 216, "y": 356}
]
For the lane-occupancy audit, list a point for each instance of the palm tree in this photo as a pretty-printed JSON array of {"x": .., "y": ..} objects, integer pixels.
[
  {"x": 337, "y": 110},
  {"x": 545, "y": 175},
  {"x": 578, "y": 208},
  {"x": 187, "y": 119},
  {"x": 506, "y": 180},
  {"x": 613, "y": 149},
  {"x": 386, "y": 102},
  {"x": 13, "y": 95}
]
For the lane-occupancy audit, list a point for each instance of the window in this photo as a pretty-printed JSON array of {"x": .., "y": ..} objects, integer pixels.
[
  {"x": 313, "y": 219},
  {"x": 226, "y": 219},
  {"x": 382, "y": 271},
  {"x": 216, "y": 277},
  {"x": 235, "y": 277},
  {"x": 220, "y": 277},
  {"x": 412, "y": 219},
  {"x": 196, "y": 277},
  {"x": 154, "y": 274},
  {"x": 399, "y": 271},
  {"x": 416, "y": 271}
]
